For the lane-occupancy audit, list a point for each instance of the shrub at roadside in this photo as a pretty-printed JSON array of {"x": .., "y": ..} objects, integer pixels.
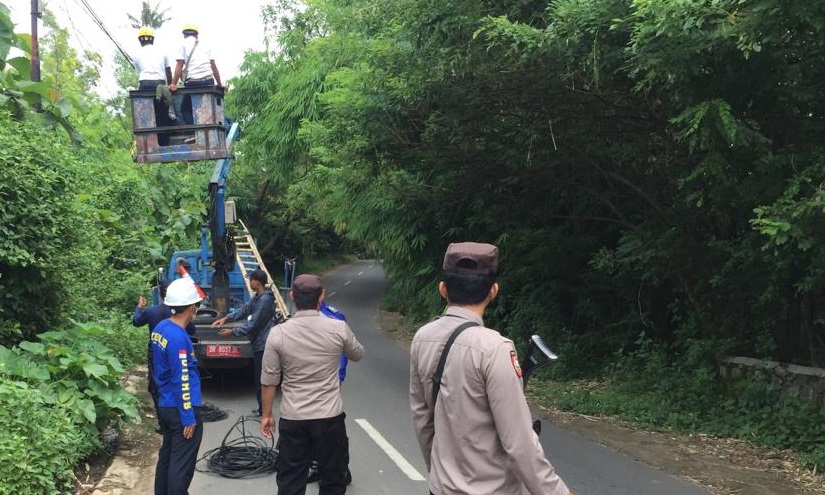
[
  {"x": 41, "y": 441},
  {"x": 650, "y": 388},
  {"x": 55, "y": 396},
  {"x": 77, "y": 366}
]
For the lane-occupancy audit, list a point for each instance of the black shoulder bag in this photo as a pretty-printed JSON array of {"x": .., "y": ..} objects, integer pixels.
[{"x": 439, "y": 371}]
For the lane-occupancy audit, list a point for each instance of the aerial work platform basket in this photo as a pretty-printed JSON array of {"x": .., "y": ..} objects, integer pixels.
[{"x": 203, "y": 139}]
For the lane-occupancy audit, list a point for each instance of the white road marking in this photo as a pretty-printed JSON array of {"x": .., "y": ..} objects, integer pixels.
[
  {"x": 360, "y": 273},
  {"x": 331, "y": 294},
  {"x": 393, "y": 454},
  {"x": 347, "y": 282}
]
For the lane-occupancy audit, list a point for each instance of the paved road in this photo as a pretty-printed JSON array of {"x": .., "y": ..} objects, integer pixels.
[{"x": 385, "y": 458}]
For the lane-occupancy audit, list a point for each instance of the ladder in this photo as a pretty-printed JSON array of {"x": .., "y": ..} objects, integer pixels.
[{"x": 248, "y": 259}]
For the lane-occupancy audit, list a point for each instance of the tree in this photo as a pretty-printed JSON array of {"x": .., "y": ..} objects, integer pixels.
[
  {"x": 19, "y": 94},
  {"x": 149, "y": 16}
]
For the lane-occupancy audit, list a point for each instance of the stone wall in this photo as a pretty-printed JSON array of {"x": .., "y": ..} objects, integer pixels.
[{"x": 801, "y": 381}]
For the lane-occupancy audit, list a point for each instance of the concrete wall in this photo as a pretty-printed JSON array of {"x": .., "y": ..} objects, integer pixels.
[{"x": 801, "y": 381}]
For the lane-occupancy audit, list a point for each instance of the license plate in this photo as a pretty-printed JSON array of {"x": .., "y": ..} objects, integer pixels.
[{"x": 217, "y": 350}]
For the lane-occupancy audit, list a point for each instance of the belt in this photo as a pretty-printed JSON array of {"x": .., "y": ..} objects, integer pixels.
[
  {"x": 199, "y": 79},
  {"x": 153, "y": 81}
]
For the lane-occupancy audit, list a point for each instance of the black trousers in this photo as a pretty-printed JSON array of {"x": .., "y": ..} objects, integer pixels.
[
  {"x": 177, "y": 455},
  {"x": 299, "y": 442},
  {"x": 152, "y": 386},
  {"x": 258, "y": 364}
]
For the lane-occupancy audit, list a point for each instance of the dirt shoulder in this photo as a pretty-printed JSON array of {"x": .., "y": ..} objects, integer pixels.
[
  {"x": 723, "y": 466},
  {"x": 131, "y": 470}
]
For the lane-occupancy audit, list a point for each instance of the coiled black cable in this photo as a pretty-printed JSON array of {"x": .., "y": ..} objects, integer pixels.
[
  {"x": 244, "y": 456},
  {"x": 210, "y": 412}
]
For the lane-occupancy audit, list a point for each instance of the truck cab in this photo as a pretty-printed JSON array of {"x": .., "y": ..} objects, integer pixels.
[{"x": 212, "y": 350}]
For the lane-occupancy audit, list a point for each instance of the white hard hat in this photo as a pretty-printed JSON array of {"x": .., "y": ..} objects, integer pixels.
[{"x": 182, "y": 292}]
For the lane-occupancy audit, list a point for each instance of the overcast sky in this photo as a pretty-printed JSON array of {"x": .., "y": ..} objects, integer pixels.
[{"x": 230, "y": 27}]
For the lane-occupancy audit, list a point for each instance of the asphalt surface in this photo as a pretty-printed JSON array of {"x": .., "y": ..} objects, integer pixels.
[{"x": 384, "y": 454}]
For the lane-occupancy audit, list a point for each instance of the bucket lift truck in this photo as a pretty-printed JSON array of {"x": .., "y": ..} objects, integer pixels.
[{"x": 220, "y": 268}]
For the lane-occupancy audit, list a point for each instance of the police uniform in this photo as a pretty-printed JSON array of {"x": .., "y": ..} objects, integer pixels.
[
  {"x": 302, "y": 357},
  {"x": 478, "y": 438},
  {"x": 179, "y": 395}
]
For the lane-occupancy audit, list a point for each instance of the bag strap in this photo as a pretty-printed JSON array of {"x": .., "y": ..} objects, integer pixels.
[
  {"x": 439, "y": 371},
  {"x": 188, "y": 58}
]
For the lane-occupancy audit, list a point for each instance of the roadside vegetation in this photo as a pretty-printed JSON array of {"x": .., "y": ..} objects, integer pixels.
[{"x": 651, "y": 170}]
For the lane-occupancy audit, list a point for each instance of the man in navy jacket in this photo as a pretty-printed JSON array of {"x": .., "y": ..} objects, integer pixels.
[{"x": 152, "y": 316}]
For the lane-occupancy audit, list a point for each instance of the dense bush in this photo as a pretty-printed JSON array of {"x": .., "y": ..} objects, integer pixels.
[
  {"x": 648, "y": 387},
  {"x": 37, "y": 216},
  {"x": 41, "y": 441},
  {"x": 77, "y": 369},
  {"x": 55, "y": 396}
]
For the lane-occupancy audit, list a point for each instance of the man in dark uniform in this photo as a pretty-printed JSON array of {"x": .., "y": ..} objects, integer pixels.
[
  {"x": 259, "y": 316},
  {"x": 303, "y": 356},
  {"x": 481, "y": 392},
  {"x": 152, "y": 316},
  {"x": 179, "y": 391}
]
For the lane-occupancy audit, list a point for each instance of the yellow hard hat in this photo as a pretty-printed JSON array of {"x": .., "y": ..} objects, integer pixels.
[
  {"x": 145, "y": 31},
  {"x": 190, "y": 27}
]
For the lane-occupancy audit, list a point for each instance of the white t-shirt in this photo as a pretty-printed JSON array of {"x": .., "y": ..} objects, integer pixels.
[
  {"x": 151, "y": 63},
  {"x": 200, "y": 65}
]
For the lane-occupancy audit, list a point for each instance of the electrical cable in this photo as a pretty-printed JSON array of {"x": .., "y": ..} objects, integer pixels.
[
  {"x": 243, "y": 456},
  {"x": 96, "y": 19},
  {"x": 210, "y": 413}
]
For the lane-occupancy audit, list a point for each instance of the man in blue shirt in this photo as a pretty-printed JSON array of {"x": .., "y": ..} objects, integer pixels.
[
  {"x": 333, "y": 312},
  {"x": 152, "y": 316},
  {"x": 259, "y": 314},
  {"x": 179, "y": 391}
]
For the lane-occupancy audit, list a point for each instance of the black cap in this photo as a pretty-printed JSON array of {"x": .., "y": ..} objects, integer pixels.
[
  {"x": 471, "y": 257},
  {"x": 258, "y": 275}
]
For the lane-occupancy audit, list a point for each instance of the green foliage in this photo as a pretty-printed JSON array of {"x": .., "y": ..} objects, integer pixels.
[
  {"x": 41, "y": 441},
  {"x": 37, "y": 214},
  {"x": 76, "y": 369},
  {"x": 650, "y": 388},
  {"x": 19, "y": 95}
]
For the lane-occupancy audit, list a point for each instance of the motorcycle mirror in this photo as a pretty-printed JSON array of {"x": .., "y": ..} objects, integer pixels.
[{"x": 539, "y": 344}]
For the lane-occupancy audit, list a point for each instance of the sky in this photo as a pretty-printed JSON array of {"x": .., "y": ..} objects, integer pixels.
[{"x": 230, "y": 27}]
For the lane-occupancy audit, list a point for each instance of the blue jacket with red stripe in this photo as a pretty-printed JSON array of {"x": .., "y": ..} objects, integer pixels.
[
  {"x": 333, "y": 312},
  {"x": 176, "y": 370}
]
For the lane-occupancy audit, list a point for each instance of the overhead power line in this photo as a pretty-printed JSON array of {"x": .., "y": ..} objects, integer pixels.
[{"x": 96, "y": 19}]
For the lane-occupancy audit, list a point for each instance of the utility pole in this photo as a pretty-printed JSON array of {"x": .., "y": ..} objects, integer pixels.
[{"x": 37, "y": 13}]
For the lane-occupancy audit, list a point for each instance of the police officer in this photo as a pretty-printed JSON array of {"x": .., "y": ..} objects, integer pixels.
[
  {"x": 332, "y": 312},
  {"x": 152, "y": 316},
  {"x": 304, "y": 352},
  {"x": 259, "y": 316},
  {"x": 476, "y": 435},
  {"x": 179, "y": 389}
]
